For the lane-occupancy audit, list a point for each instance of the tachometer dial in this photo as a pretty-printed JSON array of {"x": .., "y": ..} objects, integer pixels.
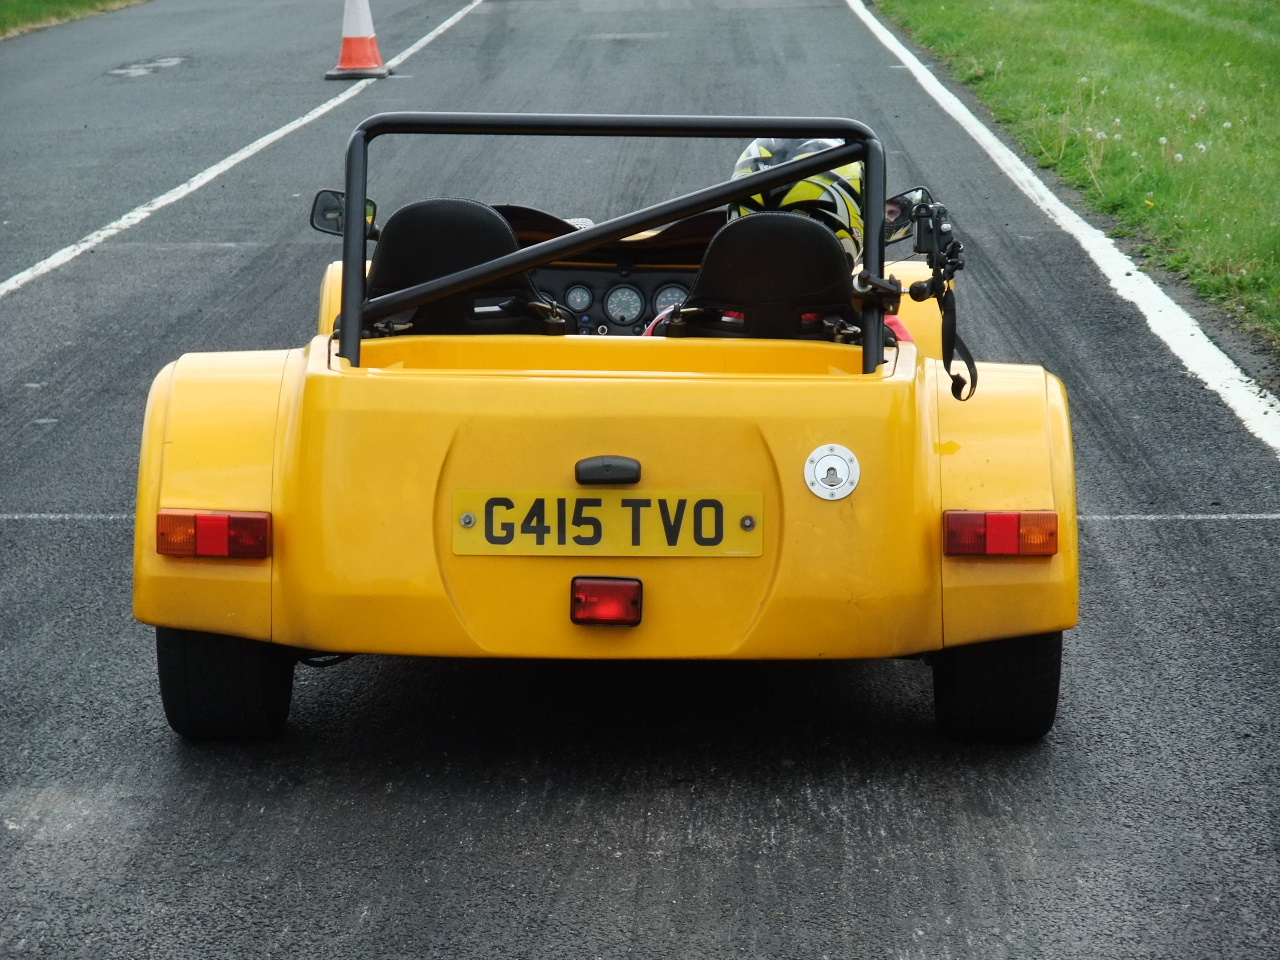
[
  {"x": 577, "y": 298},
  {"x": 672, "y": 295},
  {"x": 624, "y": 304}
]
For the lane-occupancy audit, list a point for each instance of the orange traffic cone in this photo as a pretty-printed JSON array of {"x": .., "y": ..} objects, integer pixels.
[{"x": 360, "y": 57}]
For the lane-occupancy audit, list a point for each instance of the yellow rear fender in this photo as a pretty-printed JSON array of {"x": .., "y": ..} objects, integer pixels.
[
  {"x": 1008, "y": 448},
  {"x": 209, "y": 441}
]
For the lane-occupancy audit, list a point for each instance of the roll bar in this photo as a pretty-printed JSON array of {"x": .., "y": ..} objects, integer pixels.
[{"x": 860, "y": 143}]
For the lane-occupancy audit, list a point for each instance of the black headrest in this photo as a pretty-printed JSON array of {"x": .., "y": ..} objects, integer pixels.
[
  {"x": 433, "y": 238},
  {"x": 772, "y": 267}
]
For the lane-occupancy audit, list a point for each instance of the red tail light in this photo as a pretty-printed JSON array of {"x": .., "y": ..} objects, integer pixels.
[
  {"x": 1028, "y": 533},
  {"x": 192, "y": 533},
  {"x": 605, "y": 601},
  {"x": 966, "y": 533}
]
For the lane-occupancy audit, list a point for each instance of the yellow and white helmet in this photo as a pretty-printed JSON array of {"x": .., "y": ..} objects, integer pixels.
[{"x": 833, "y": 198}]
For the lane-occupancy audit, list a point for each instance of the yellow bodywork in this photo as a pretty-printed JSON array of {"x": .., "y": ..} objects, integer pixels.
[{"x": 362, "y": 470}]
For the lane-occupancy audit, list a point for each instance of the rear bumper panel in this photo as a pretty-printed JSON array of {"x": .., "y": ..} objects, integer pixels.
[{"x": 362, "y": 469}]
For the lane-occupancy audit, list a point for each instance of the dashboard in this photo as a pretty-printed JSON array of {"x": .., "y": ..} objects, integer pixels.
[
  {"x": 618, "y": 288},
  {"x": 614, "y": 302}
]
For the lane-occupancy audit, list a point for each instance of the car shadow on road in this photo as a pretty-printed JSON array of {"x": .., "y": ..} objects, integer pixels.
[{"x": 571, "y": 718}]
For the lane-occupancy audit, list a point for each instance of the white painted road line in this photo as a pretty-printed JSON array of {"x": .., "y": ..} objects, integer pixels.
[
  {"x": 138, "y": 214},
  {"x": 1257, "y": 409},
  {"x": 66, "y": 516},
  {"x": 409, "y": 51},
  {"x": 1084, "y": 518}
]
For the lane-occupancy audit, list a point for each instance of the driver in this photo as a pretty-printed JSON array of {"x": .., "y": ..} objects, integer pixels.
[
  {"x": 897, "y": 216},
  {"x": 895, "y": 212},
  {"x": 833, "y": 198}
]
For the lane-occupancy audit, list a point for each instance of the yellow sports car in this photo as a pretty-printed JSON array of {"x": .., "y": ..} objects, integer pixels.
[{"x": 712, "y": 428}]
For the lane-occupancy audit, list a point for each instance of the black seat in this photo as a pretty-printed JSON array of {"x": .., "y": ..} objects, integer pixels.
[
  {"x": 433, "y": 238},
  {"x": 772, "y": 268}
]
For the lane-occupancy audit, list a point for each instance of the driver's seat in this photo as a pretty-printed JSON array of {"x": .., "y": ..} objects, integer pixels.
[
  {"x": 771, "y": 269},
  {"x": 430, "y": 239}
]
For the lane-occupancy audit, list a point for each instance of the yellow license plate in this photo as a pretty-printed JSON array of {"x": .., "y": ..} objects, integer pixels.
[{"x": 608, "y": 523}]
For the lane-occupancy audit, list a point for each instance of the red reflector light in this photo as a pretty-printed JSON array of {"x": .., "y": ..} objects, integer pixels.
[
  {"x": 605, "y": 601},
  {"x": 1030, "y": 533},
  {"x": 212, "y": 534},
  {"x": 1002, "y": 534},
  {"x": 190, "y": 533}
]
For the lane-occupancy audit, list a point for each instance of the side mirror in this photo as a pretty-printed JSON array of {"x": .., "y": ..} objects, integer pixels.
[
  {"x": 897, "y": 213},
  {"x": 328, "y": 212}
]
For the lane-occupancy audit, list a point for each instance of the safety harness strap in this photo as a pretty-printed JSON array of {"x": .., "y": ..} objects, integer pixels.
[{"x": 953, "y": 346}]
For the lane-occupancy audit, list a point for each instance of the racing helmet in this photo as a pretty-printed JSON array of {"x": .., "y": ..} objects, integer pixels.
[{"x": 833, "y": 198}]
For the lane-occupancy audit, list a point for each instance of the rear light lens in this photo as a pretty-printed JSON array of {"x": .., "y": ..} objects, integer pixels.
[
  {"x": 1002, "y": 534},
  {"x": 203, "y": 533},
  {"x": 1038, "y": 533},
  {"x": 606, "y": 601},
  {"x": 1028, "y": 533},
  {"x": 176, "y": 533}
]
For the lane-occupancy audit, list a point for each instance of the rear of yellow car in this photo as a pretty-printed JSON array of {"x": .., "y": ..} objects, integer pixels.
[
  {"x": 762, "y": 500},
  {"x": 447, "y": 471}
]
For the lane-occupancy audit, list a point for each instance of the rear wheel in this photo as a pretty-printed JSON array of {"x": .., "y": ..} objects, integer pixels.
[
  {"x": 216, "y": 687},
  {"x": 999, "y": 690}
]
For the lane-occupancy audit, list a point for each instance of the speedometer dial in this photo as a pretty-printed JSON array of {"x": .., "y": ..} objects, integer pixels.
[
  {"x": 672, "y": 295},
  {"x": 624, "y": 304}
]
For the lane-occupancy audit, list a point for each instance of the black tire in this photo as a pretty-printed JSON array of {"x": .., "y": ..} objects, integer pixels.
[
  {"x": 1002, "y": 690},
  {"x": 216, "y": 687}
]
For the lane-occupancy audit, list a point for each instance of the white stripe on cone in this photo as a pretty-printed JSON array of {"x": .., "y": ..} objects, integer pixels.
[{"x": 357, "y": 21}]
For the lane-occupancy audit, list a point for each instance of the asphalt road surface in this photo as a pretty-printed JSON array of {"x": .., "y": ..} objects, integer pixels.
[{"x": 513, "y": 809}]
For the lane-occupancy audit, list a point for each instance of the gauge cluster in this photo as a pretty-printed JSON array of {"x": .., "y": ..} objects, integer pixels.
[{"x": 613, "y": 302}]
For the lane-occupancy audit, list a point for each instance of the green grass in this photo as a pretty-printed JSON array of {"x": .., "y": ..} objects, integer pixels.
[
  {"x": 19, "y": 16},
  {"x": 1165, "y": 112}
]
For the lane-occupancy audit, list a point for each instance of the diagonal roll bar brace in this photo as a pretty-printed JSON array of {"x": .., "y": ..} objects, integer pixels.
[{"x": 860, "y": 143}]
